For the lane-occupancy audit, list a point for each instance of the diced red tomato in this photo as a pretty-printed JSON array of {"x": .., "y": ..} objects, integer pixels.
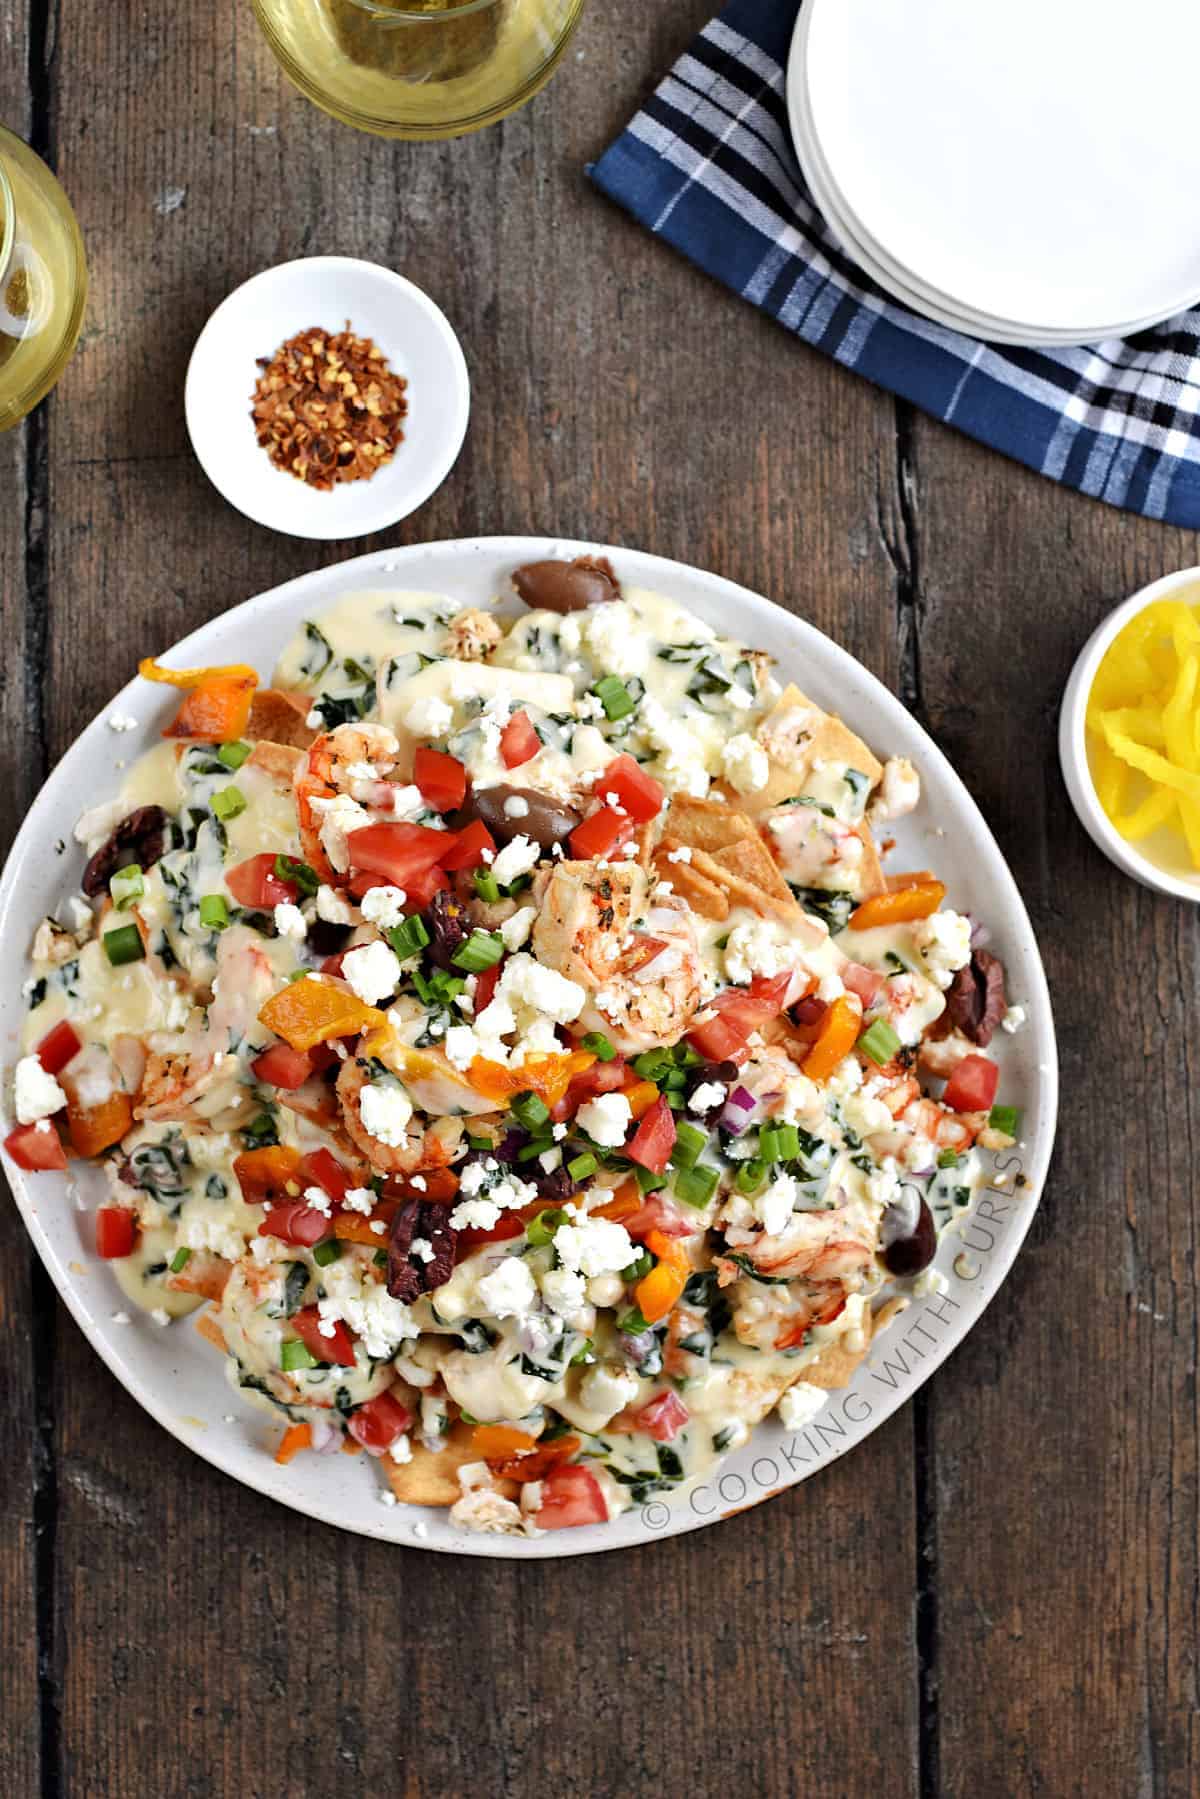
[
  {"x": 519, "y": 742},
  {"x": 296, "y": 1223},
  {"x": 972, "y": 1086},
  {"x": 255, "y": 884},
  {"x": 321, "y": 1168},
  {"x": 116, "y": 1232},
  {"x": 338, "y": 1348},
  {"x": 485, "y": 986},
  {"x": 571, "y": 1495},
  {"x": 58, "y": 1047},
  {"x": 465, "y": 848},
  {"x": 657, "y": 1214},
  {"x": 507, "y": 1225},
  {"x": 378, "y": 1423},
  {"x": 442, "y": 779},
  {"x": 718, "y": 1039},
  {"x": 282, "y": 1066},
  {"x": 399, "y": 851},
  {"x": 663, "y": 1418},
  {"x": 637, "y": 793},
  {"x": 36, "y": 1151},
  {"x": 422, "y": 887},
  {"x": 600, "y": 833},
  {"x": 746, "y": 1008},
  {"x": 654, "y": 1139},
  {"x": 601, "y": 1077},
  {"x": 868, "y": 983}
]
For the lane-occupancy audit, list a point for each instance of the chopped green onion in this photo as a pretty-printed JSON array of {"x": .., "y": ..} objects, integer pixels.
[
  {"x": 537, "y": 1146},
  {"x": 581, "y": 1167},
  {"x": 879, "y": 1042},
  {"x": 483, "y": 949},
  {"x": 479, "y": 1142},
  {"x": 294, "y": 1354},
  {"x": 685, "y": 1056},
  {"x": 614, "y": 696},
  {"x": 948, "y": 1159},
  {"x": 425, "y": 992},
  {"x": 690, "y": 1144},
  {"x": 123, "y": 945},
  {"x": 409, "y": 938},
  {"x": 652, "y": 1063},
  {"x": 214, "y": 913},
  {"x": 261, "y": 1133},
  {"x": 126, "y": 886},
  {"x": 599, "y": 1045},
  {"x": 486, "y": 885},
  {"x": 180, "y": 1260},
  {"x": 641, "y": 1265},
  {"x": 632, "y": 1323},
  {"x": 696, "y": 1186},
  {"x": 648, "y": 1181},
  {"x": 228, "y": 802},
  {"x": 327, "y": 1252},
  {"x": 1006, "y": 1119},
  {"x": 233, "y": 754},
  {"x": 676, "y": 1098},
  {"x": 778, "y": 1142},
  {"x": 297, "y": 874},
  {"x": 675, "y": 1080},
  {"x": 542, "y": 1226},
  {"x": 530, "y": 1111},
  {"x": 751, "y": 1175},
  {"x": 582, "y": 1354}
]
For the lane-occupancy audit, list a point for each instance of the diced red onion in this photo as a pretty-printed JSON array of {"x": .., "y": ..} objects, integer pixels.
[
  {"x": 326, "y": 1438},
  {"x": 735, "y": 1113}
]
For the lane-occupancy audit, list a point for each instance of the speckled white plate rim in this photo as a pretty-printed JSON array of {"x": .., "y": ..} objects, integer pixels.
[{"x": 175, "y": 1376}]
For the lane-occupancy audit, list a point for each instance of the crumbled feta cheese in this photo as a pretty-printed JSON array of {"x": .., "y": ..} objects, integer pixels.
[
  {"x": 606, "y": 1119},
  {"x": 340, "y": 817},
  {"x": 516, "y": 859},
  {"x": 527, "y": 982},
  {"x": 759, "y": 947},
  {"x": 744, "y": 764},
  {"x": 774, "y": 1206},
  {"x": 564, "y": 1291},
  {"x": 121, "y": 722},
  {"x": 488, "y": 1514},
  {"x": 372, "y": 972},
  {"x": 515, "y": 930},
  {"x": 318, "y": 1199},
  {"x": 359, "y": 1199},
  {"x": 120, "y": 1317},
  {"x": 37, "y": 1094},
  {"x": 461, "y": 1046},
  {"x": 607, "y": 1391},
  {"x": 383, "y": 906},
  {"x": 516, "y": 806},
  {"x": 898, "y": 792},
  {"x": 401, "y": 1449},
  {"x": 508, "y": 1291},
  {"x": 944, "y": 939},
  {"x": 387, "y": 1497},
  {"x": 161, "y": 1316},
  {"x": 865, "y": 1114},
  {"x": 332, "y": 907},
  {"x": 422, "y": 1249},
  {"x": 80, "y": 913},
  {"x": 616, "y": 639},
  {"x": 385, "y": 1109},
  {"x": 800, "y": 1405},
  {"x": 203, "y": 1230},
  {"x": 290, "y": 921},
  {"x": 366, "y": 1306},
  {"x": 682, "y": 854},
  {"x": 594, "y": 1246},
  {"x": 429, "y": 716},
  {"x": 1013, "y": 1019},
  {"x": 706, "y": 1096}
]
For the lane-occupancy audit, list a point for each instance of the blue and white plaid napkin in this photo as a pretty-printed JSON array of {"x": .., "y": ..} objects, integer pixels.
[{"x": 709, "y": 165}]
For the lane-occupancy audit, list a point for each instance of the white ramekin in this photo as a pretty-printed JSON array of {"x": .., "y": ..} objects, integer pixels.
[{"x": 1179, "y": 880}]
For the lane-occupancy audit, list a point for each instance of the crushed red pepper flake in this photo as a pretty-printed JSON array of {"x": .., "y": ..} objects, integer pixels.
[{"x": 327, "y": 408}]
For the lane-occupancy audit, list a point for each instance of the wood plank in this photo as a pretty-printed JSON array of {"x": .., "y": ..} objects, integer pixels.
[
  {"x": 26, "y": 1481},
  {"x": 1065, "y": 1470},
  {"x": 255, "y": 1651}
]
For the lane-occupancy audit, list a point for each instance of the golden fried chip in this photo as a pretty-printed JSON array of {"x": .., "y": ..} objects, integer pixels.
[
  {"x": 705, "y": 824},
  {"x": 743, "y": 892},
  {"x": 280, "y": 717},
  {"x": 431, "y": 1478},
  {"x": 701, "y": 894},
  {"x": 277, "y": 760},
  {"x": 797, "y": 734}
]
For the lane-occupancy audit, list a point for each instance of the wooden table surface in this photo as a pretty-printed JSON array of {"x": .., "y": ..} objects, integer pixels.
[{"x": 997, "y": 1593}]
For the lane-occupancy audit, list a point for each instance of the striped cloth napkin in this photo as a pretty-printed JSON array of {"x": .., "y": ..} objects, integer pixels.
[{"x": 708, "y": 164}]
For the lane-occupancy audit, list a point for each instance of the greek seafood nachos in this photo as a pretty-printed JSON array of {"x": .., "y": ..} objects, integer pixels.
[{"x": 503, "y": 1032}]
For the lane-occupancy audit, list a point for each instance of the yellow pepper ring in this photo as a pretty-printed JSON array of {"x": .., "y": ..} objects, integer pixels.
[{"x": 150, "y": 670}]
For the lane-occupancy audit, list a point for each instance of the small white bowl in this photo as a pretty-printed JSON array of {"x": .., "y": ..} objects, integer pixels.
[
  {"x": 1172, "y": 873},
  {"x": 413, "y": 334}
]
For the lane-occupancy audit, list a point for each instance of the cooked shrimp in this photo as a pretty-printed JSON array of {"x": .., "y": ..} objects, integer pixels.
[
  {"x": 781, "y": 1317},
  {"x": 421, "y": 1148},
  {"x": 472, "y": 636},
  {"x": 636, "y": 955},
  {"x": 814, "y": 850},
  {"x": 348, "y": 764},
  {"x": 820, "y": 1246},
  {"x": 193, "y": 1074}
]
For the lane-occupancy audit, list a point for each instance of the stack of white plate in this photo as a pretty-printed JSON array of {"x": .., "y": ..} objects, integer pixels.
[{"x": 1026, "y": 171}]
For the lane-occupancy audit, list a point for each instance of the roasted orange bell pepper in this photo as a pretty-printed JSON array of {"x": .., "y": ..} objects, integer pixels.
[
  {"x": 311, "y": 1011},
  {"x": 95, "y": 1128},
  {"x": 835, "y": 1039},
  {"x": 658, "y": 1291},
  {"x": 495, "y": 1441},
  {"x": 217, "y": 708},
  {"x": 537, "y": 1462},
  {"x": 624, "y": 1203},
  {"x": 355, "y": 1227},
  {"x": 548, "y": 1075},
  {"x": 900, "y": 907},
  {"x": 669, "y": 1250},
  {"x": 641, "y": 1096},
  {"x": 295, "y": 1438},
  {"x": 270, "y": 1174}
]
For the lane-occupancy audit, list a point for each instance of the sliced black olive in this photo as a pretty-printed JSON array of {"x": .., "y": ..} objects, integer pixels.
[
  {"x": 908, "y": 1235},
  {"x": 139, "y": 839},
  {"x": 566, "y": 586},
  {"x": 544, "y": 821}
]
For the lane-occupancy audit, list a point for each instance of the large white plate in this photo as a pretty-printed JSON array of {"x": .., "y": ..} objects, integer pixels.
[
  {"x": 176, "y": 1376},
  {"x": 985, "y": 147}
]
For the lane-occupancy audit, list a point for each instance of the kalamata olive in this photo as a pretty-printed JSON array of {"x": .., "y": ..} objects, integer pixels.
[
  {"x": 566, "y": 586},
  {"x": 975, "y": 1001},
  {"x": 449, "y": 927},
  {"x": 408, "y": 1278},
  {"x": 544, "y": 821},
  {"x": 556, "y": 1186},
  {"x": 325, "y": 939},
  {"x": 907, "y": 1235},
  {"x": 141, "y": 838}
]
